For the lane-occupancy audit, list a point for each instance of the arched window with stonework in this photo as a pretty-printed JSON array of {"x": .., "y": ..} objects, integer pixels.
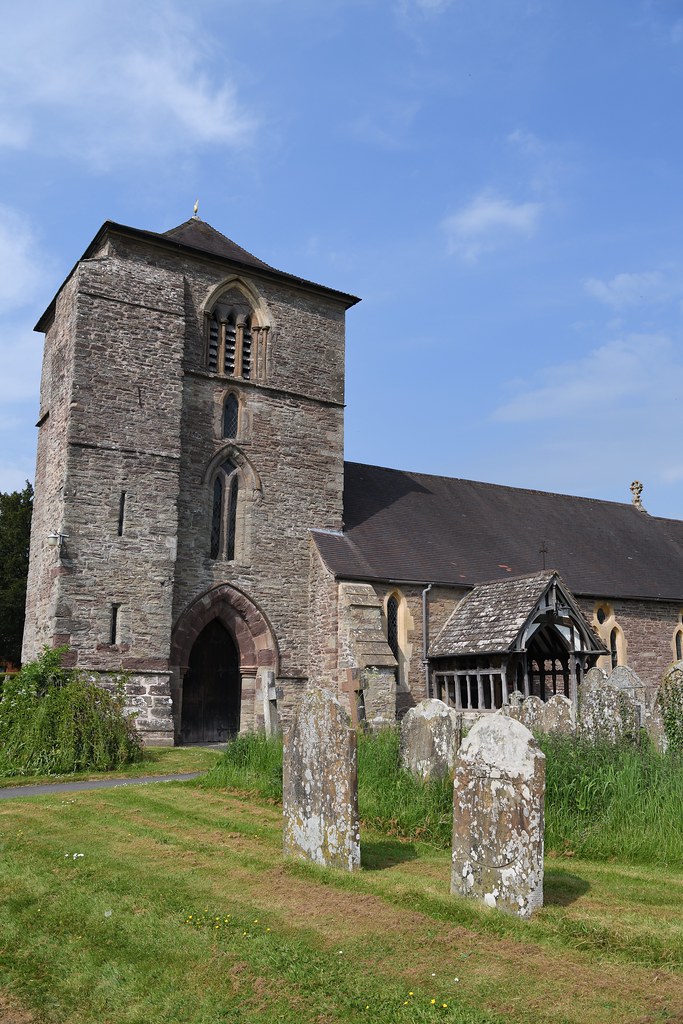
[
  {"x": 231, "y": 414},
  {"x": 236, "y": 342},
  {"x": 225, "y": 498},
  {"x": 396, "y": 623}
]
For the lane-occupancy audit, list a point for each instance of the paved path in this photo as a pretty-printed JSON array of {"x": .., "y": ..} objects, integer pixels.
[{"x": 71, "y": 787}]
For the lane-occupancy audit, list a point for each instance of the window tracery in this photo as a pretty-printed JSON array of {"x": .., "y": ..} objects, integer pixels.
[
  {"x": 224, "y": 512},
  {"x": 397, "y": 620}
]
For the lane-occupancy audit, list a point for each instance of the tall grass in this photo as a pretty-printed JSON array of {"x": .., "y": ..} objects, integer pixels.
[
  {"x": 601, "y": 801},
  {"x": 614, "y": 801},
  {"x": 251, "y": 762}
]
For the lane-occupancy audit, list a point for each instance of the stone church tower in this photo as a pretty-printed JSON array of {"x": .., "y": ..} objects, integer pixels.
[{"x": 191, "y": 437}]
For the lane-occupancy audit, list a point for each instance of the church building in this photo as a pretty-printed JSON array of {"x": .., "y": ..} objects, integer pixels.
[{"x": 196, "y": 527}]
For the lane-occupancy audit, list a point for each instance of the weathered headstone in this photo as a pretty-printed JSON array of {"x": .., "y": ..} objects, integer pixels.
[
  {"x": 559, "y": 716},
  {"x": 630, "y": 683},
  {"x": 608, "y": 715},
  {"x": 320, "y": 784},
  {"x": 593, "y": 679},
  {"x": 498, "y": 800},
  {"x": 554, "y": 716},
  {"x": 529, "y": 711},
  {"x": 430, "y": 737}
]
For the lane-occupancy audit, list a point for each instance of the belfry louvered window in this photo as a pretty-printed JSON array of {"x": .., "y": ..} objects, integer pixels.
[
  {"x": 225, "y": 499},
  {"x": 235, "y": 344}
]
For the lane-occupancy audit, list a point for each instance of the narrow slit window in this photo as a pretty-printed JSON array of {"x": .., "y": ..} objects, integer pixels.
[
  {"x": 232, "y": 520},
  {"x": 216, "y": 516},
  {"x": 392, "y": 625},
  {"x": 114, "y": 624},
  {"x": 614, "y": 647},
  {"x": 679, "y": 645},
  {"x": 122, "y": 512},
  {"x": 231, "y": 416}
]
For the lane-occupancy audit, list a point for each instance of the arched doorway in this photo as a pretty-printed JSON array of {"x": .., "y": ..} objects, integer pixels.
[
  {"x": 222, "y": 635},
  {"x": 211, "y": 688}
]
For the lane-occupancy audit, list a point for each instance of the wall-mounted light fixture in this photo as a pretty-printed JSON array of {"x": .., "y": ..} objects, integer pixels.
[{"x": 56, "y": 540}]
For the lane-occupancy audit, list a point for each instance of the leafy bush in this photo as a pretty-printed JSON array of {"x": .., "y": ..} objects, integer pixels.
[{"x": 55, "y": 720}]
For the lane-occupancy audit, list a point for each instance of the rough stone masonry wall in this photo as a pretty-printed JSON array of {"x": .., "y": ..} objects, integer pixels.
[
  {"x": 122, "y": 435},
  {"x": 648, "y": 628},
  {"x": 442, "y": 602},
  {"x": 324, "y": 623},
  {"x": 291, "y": 436},
  {"x": 45, "y": 567}
]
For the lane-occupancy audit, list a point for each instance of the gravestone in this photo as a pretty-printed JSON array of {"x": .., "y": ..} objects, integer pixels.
[
  {"x": 498, "y": 800},
  {"x": 559, "y": 716},
  {"x": 629, "y": 682},
  {"x": 608, "y": 715},
  {"x": 593, "y": 679},
  {"x": 320, "y": 784},
  {"x": 554, "y": 716},
  {"x": 430, "y": 737}
]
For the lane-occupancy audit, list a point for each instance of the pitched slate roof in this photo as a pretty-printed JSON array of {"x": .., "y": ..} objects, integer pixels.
[
  {"x": 432, "y": 529},
  {"x": 196, "y": 236},
  {"x": 490, "y": 618}
]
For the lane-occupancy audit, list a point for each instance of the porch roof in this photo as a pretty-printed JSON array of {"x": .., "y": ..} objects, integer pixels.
[{"x": 490, "y": 619}]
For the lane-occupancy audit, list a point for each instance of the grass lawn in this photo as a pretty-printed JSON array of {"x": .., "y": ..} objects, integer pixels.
[
  {"x": 181, "y": 909},
  {"x": 156, "y": 761}
]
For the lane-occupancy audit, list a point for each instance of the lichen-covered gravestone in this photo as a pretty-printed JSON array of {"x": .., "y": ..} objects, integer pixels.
[
  {"x": 320, "y": 784},
  {"x": 608, "y": 715},
  {"x": 593, "y": 679},
  {"x": 430, "y": 737},
  {"x": 498, "y": 800}
]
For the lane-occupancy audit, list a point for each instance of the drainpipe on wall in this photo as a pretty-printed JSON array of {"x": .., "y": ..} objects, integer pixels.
[{"x": 425, "y": 633}]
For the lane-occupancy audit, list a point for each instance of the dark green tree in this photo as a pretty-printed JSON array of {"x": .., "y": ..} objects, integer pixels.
[{"x": 15, "y": 533}]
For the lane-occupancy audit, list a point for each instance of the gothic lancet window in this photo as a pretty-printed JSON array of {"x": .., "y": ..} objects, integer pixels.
[
  {"x": 231, "y": 410},
  {"x": 396, "y": 622},
  {"x": 392, "y": 625},
  {"x": 224, "y": 512}
]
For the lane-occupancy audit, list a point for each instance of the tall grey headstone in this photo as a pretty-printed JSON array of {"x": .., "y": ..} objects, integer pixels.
[
  {"x": 320, "y": 784},
  {"x": 608, "y": 715},
  {"x": 498, "y": 824},
  {"x": 430, "y": 737}
]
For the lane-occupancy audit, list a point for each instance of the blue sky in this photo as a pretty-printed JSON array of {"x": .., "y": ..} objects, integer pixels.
[{"x": 499, "y": 180}]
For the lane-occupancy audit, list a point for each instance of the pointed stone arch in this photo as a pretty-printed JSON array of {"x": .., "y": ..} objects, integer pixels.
[
  {"x": 251, "y": 633},
  {"x": 247, "y": 290}
]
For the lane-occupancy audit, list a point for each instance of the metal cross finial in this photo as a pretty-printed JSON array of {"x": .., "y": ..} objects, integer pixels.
[
  {"x": 637, "y": 490},
  {"x": 195, "y": 214},
  {"x": 543, "y": 551}
]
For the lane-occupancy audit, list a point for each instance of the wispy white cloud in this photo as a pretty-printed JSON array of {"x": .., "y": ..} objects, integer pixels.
[
  {"x": 119, "y": 83},
  {"x": 640, "y": 367},
  {"x": 487, "y": 222},
  {"x": 22, "y": 267},
  {"x": 646, "y": 288}
]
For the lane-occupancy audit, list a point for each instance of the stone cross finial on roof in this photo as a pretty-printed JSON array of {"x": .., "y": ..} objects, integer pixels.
[
  {"x": 195, "y": 214},
  {"x": 636, "y": 490}
]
